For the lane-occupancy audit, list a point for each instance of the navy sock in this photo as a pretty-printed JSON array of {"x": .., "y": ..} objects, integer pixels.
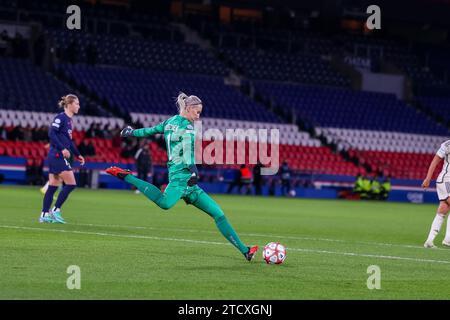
[
  {"x": 68, "y": 188},
  {"x": 48, "y": 198}
]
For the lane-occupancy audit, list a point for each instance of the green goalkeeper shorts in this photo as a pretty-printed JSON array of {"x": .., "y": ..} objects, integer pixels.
[{"x": 178, "y": 187}]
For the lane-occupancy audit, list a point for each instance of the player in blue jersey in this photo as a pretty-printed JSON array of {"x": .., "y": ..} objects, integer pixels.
[{"x": 60, "y": 157}]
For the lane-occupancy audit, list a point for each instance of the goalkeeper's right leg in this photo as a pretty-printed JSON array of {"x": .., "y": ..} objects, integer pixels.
[{"x": 164, "y": 200}]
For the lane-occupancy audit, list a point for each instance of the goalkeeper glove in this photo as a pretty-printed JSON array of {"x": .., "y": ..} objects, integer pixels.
[
  {"x": 194, "y": 176},
  {"x": 127, "y": 132}
]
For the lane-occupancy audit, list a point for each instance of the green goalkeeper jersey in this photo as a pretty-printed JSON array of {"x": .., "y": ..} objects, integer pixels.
[{"x": 179, "y": 135}]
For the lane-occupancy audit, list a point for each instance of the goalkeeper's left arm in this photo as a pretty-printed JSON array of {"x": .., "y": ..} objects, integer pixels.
[{"x": 143, "y": 132}]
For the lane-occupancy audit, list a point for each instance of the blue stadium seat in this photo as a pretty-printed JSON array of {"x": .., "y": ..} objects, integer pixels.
[{"x": 155, "y": 91}]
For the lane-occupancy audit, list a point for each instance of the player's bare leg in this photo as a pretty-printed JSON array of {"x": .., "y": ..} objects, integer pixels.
[
  {"x": 446, "y": 241},
  {"x": 437, "y": 223}
]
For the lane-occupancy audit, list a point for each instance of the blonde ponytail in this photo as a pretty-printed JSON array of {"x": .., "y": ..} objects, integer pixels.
[
  {"x": 181, "y": 103},
  {"x": 67, "y": 99},
  {"x": 183, "y": 100}
]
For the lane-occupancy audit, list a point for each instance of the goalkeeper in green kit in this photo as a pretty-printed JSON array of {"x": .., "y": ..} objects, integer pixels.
[{"x": 179, "y": 135}]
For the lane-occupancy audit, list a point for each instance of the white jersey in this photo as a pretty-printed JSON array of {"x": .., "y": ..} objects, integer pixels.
[{"x": 444, "y": 153}]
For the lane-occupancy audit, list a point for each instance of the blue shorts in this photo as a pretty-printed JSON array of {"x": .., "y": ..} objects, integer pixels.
[{"x": 57, "y": 163}]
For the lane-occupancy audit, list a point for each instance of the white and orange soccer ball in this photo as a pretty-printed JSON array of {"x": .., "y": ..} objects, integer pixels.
[{"x": 274, "y": 253}]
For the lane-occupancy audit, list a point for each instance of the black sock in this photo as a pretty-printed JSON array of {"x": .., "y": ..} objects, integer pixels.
[
  {"x": 67, "y": 189},
  {"x": 48, "y": 198}
]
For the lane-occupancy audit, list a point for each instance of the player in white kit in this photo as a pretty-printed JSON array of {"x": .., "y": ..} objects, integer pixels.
[{"x": 443, "y": 191}]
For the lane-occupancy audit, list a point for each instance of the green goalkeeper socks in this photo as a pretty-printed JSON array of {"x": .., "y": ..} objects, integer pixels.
[
  {"x": 204, "y": 202},
  {"x": 208, "y": 205},
  {"x": 149, "y": 190},
  {"x": 228, "y": 232}
]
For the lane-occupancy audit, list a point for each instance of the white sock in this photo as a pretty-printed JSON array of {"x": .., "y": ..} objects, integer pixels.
[
  {"x": 435, "y": 227},
  {"x": 44, "y": 214},
  {"x": 447, "y": 233}
]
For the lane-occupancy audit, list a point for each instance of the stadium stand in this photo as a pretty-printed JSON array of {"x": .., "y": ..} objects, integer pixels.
[
  {"x": 311, "y": 69},
  {"x": 154, "y": 91},
  {"x": 23, "y": 86},
  {"x": 379, "y": 130},
  {"x": 138, "y": 63},
  {"x": 135, "y": 52},
  {"x": 439, "y": 105},
  {"x": 345, "y": 108}
]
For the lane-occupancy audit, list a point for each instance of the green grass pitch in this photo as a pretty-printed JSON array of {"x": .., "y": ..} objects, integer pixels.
[{"x": 127, "y": 248}]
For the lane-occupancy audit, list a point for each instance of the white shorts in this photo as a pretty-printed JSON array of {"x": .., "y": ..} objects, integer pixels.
[{"x": 443, "y": 190}]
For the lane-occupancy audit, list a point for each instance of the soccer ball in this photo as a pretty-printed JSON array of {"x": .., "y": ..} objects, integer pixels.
[{"x": 274, "y": 253}]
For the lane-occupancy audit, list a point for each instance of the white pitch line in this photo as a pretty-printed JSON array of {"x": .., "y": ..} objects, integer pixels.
[
  {"x": 370, "y": 255},
  {"x": 223, "y": 243},
  {"x": 260, "y": 235},
  {"x": 111, "y": 234}
]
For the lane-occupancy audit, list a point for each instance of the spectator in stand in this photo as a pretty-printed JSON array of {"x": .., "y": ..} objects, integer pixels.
[
  {"x": 86, "y": 148},
  {"x": 34, "y": 172},
  {"x": 236, "y": 182},
  {"x": 82, "y": 147},
  {"x": 5, "y": 46},
  {"x": 27, "y": 134},
  {"x": 143, "y": 162},
  {"x": 85, "y": 175},
  {"x": 273, "y": 187},
  {"x": 35, "y": 134},
  {"x": 106, "y": 133},
  {"x": 366, "y": 187},
  {"x": 257, "y": 178},
  {"x": 3, "y": 134},
  {"x": 285, "y": 173},
  {"x": 99, "y": 133},
  {"x": 158, "y": 179},
  {"x": 94, "y": 131},
  {"x": 29, "y": 171},
  {"x": 91, "y": 149},
  {"x": 246, "y": 179},
  {"x": 90, "y": 133},
  {"x": 40, "y": 134},
  {"x": 129, "y": 149},
  {"x": 375, "y": 188},
  {"x": 116, "y": 139},
  {"x": 386, "y": 187},
  {"x": 358, "y": 186},
  {"x": 16, "y": 134},
  {"x": 4, "y": 36}
]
